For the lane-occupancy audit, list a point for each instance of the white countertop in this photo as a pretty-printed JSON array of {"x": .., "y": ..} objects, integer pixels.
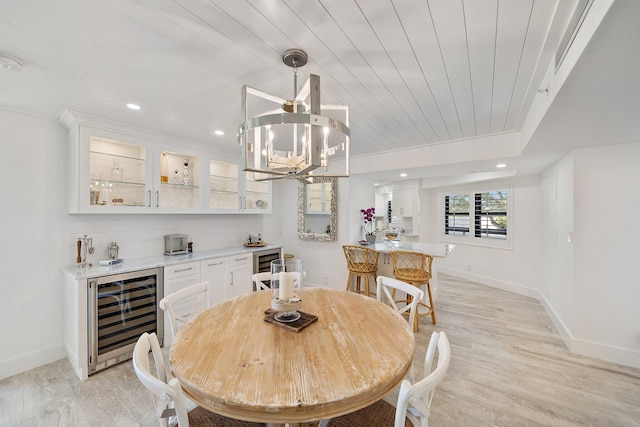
[
  {"x": 437, "y": 250},
  {"x": 160, "y": 261}
]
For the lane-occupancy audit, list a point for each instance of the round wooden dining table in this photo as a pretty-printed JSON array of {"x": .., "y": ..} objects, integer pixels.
[{"x": 229, "y": 360}]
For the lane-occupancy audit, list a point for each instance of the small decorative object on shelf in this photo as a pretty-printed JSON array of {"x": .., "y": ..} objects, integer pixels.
[
  {"x": 186, "y": 175},
  {"x": 117, "y": 174},
  {"x": 286, "y": 286},
  {"x": 176, "y": 176},
  {"x": 368, "y": 224},
  {"x": 112, "y": 250},
  {"x": 164, "y": 169}
]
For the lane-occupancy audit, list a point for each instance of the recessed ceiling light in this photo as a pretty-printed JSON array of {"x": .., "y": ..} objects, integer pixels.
[
  {"x": 501, "y": 165},
  {"x": 133, "y": 106},
  {"x": 403, "y": 175},
  {"x": 9, "y": 63},
  {"x": 219, "y": 132}
]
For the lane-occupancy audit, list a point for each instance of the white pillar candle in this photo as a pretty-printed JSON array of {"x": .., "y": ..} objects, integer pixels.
[{"x": 285, "y": 286}]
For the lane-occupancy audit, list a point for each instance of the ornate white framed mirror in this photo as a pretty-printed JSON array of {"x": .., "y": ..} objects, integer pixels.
[{"x": 317, "y": 209}]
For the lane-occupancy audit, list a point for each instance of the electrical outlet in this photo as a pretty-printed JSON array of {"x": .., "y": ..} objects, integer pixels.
[
  {"x": 325, "y": 280},
  {"x": 468, "y": 267}
]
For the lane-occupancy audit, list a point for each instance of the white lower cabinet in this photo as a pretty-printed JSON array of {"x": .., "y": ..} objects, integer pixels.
[
  {"x": 216, "y": 272},
  {"x": 385, "y": 267},
  {"x": 178, "y": 277},
  {"x": 240, "y": 268},
  {"x": 228, "y": 277}
]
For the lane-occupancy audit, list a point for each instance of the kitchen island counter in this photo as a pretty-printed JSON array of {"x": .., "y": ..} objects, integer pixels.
[{"x": 436, "y": 250}]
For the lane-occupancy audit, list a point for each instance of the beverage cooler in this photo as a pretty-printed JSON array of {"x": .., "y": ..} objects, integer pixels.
[{"x": 121, "y": 307}]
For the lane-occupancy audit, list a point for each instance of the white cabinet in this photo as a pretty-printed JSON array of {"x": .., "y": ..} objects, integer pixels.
[
  {"x": 403, "y": 202},
  {"x": 228, "y": 277},
  {"x": 216, "y": 272},
  {"x": 382, "y": 200},
  {"x": 122, "y": 169},
  {"x": 385, "y": 266},
  {"x": 176, "y": 277},
  {"x": 233, "y": 190},
  {"x": 240, "y": 268},
  {"x": 224, "y": 187},
  {"x": 177, "y": 180}
]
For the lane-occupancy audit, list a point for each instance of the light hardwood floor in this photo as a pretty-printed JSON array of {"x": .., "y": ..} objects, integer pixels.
[{"x": 509, "y": 367}]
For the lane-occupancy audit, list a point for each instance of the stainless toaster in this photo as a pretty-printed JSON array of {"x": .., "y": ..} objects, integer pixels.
[{"x": 175, "y": 244}]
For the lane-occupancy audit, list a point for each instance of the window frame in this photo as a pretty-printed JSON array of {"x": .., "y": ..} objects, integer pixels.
[{"x": 471, "y": 238}]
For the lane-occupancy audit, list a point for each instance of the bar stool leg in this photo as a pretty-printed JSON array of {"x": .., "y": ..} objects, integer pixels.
[
  {"x": 348, "y": 288},
  {"x": 433, "y": 309}
]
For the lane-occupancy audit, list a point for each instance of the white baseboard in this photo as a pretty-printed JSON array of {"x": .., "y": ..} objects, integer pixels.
[
  {"x": 490, "y": 281},
  {"x": 26, "y": 362},
  {"x": 622, "y": 356}
]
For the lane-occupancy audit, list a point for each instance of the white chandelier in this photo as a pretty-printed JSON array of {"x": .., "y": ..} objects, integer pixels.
[{"x": 294, "y": 138}]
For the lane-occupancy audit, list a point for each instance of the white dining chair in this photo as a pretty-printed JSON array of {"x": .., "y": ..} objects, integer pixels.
[
  {"x": 386, "y": 290},
  {"x": 171, "y": 405},
  {"x": 414, "y": 400},
  {"x": 183, "y": 305},
  {"x": 259, "y": 280}
]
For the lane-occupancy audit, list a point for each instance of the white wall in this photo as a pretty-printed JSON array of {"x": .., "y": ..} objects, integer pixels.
[
  {"x": 516, "y": 269},
  {"x": 40, "y": 237},
  {"x": 34, "y": 226},
  {"x": 606, "y": 289},
  {"x": 589, "y": 285},
  {"x": 323, "y": 261},
  {"x": 557, "y": 212}
]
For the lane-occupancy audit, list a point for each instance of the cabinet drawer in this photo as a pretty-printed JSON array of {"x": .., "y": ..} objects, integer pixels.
[
  {"x": 181, "y": 270},
  {"x": 240, "y": 259},
  {"x": 178, "y": 283}
]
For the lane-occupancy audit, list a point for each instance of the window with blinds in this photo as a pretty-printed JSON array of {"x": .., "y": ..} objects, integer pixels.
[
  {"x": 456, "y": 214},
  {"x": 480, "y": 214},
  {"x": 490, "y": 214}
]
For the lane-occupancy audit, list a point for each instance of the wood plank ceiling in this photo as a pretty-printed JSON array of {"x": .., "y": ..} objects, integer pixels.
[{"x": 413, "y": 72}]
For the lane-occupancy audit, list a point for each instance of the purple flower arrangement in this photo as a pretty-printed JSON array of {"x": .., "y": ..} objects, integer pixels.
[{"x": 368, "y": 220}]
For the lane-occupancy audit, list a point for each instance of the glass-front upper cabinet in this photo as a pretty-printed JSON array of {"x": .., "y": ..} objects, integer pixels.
[
  {"x": 117, "y": 168},
  {"x": 233, "y": 190},
  {"x": 178, "y": 181},
  {"x": 116, "y": 171},
  {"x": 109, "y": 171},
  {"x": 257, "y": 194},
  {"x": 224, "y": 188},
  {"x": 117, "y": 174}
]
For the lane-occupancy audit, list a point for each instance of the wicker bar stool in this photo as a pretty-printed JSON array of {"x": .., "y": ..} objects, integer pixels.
[
  {"x": 362, "y": 262},
  {"x": 415, "y": 268}
]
